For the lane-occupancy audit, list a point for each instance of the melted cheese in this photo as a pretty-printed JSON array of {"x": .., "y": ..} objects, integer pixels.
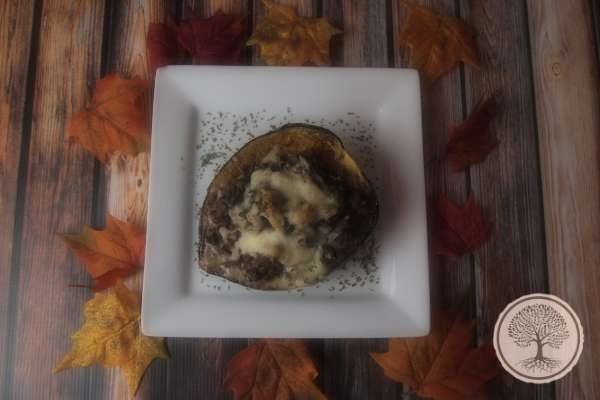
[
  {"x": 296, "y": 190},
  {"x": 272, "y": 156},
  {"x": 303, "y": 203},
  {"x": 270, "y": 242}
]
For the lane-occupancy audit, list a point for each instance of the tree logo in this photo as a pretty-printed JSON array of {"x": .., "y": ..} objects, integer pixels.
[
  {"x": 538, "y": 338},
  {"x": 540, "y": 324}
]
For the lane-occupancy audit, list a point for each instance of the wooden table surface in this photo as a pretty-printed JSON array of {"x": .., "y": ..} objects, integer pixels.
[{"x": 540, "y": 187}]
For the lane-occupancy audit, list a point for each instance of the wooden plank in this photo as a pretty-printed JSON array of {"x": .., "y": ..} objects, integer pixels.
[
  {"x": 567, "y": 88},
  {"x": 507, "y": 183},
  {"x": 442, "y": 103},
  {"x": 58, "y": 198},
  {"x": 209, "y": 357},
  {"x": 198, "y": 367},
  {"x": 127, "y": 180},
  {"x": 209, "y": 7},
  {"x": 349, "y": 372},
  {"x": 126, "y": 177},
  {"x": 333, "y": 10},
  {"x": 596, "y": 21},
  {"x": 15, "y": 39},
  {"x": 364, "y": 24}
]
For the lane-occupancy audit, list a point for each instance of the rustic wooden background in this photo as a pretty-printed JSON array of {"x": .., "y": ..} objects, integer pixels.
[{"x": 540, "y": 187}]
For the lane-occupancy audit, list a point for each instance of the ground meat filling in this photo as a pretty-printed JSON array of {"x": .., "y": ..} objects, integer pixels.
[
  {"x": 252, "y": 206},
  {"x": 260, "y": 267}
]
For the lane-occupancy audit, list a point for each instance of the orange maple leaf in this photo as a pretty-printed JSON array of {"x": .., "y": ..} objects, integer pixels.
[
  {"x": 287, "y": 39},
  {"x": 115, "y": 252},
  {"x": 440, "y": 365},
  {"x": 112, "y": 122},
  {"x": 270, "y": 369},
  {"x": 470, "y": 142},
  {"x": 436, "y": 42}
]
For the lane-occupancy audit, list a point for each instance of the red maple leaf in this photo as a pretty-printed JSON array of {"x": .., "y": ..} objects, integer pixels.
[
  {"x": 213, "y": 41},
  {"x": 163, "y": 46},
  {"x": 273, "y": 369},
  {"x": 470, "y": 142},
  {"x": 458, "y": 231}
]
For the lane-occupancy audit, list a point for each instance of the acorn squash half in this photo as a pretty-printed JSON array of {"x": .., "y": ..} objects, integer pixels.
[{"x": 286, "y": 210}]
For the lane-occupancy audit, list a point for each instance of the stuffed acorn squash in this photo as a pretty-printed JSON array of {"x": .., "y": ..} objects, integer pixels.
[{"x": 285, "y": 210}]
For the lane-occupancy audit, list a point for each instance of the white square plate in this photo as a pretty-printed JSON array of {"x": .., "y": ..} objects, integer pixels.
[{"x": 202, "y": 115}]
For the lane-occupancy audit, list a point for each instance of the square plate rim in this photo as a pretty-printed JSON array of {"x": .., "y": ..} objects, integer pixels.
[{"x": 146, "y": 312}]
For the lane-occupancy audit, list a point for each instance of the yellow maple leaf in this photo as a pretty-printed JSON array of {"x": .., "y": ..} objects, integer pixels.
[
  {"x": 436, "y": 43},
  {"x": 112, "y": 337},
  {"x": 286, "y": 39}
]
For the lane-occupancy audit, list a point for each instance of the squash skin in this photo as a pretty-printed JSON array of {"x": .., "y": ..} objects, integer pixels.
[{"x": 293, "y": 139}]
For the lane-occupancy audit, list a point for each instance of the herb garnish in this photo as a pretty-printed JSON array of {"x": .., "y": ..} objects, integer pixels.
[{"x": 218, "y": 131}]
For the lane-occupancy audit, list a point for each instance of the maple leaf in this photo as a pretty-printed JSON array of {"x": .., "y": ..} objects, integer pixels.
[
  {"x": 436, "y": 42},
  {"x": 440, "y": 365},
  {"x": 213, "y": 41},
  {"x": 470, "y": 143},
  {"x": 272, "y": 369},
  {"x": 116, "y": 252},
  {"x": 458, "y": 231},
  {"x": 163, "y": 45},
  {"x": 112, "y": 337},
  {"x": 112, "y": 122},
  {"x": 286, "y": 39}
]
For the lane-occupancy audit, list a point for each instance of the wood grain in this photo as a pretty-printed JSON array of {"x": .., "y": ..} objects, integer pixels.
[
  {"x": 15, "y": 39},
  {"x": 364, "y": 24},
  {"x": 550, "y": 147},
  {"x": 442, "y": 103},
  {"x": 596, "y": 22},
  {"x": 567, "y": 92},
  {"x": 58, "y": 198},
  {"x": 127, "y": 177},
  {"x": 507, "y": 184},
  {"x": 228, "y": 6},
  {"x": 127, "y": 183},
  {"x": 349, "y": 372}
]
